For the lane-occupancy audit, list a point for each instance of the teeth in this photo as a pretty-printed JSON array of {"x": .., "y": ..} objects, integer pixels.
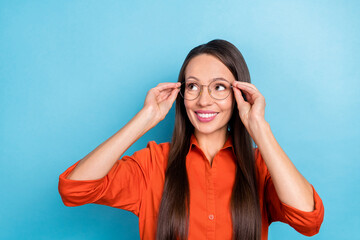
[{"x": 206, "y": 115}]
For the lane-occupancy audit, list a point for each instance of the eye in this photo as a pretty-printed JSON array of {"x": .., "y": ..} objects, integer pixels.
[
  {"x": 220, "y": 87},
  {"x": 192, "y": 87}
]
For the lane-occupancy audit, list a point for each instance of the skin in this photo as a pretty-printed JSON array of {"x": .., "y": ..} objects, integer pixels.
[
  {"x": 210, "y": 135},
  {"x": 291, "y": 187}
]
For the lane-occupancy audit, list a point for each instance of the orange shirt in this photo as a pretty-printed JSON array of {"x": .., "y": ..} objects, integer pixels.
[{"x": 135, "y": 183}]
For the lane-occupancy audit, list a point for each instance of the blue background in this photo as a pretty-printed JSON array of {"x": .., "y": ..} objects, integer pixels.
[{"x": 72, "y": 73}]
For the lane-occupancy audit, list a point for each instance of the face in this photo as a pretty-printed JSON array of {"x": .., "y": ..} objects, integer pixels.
[{"x": 207, "y": 114}]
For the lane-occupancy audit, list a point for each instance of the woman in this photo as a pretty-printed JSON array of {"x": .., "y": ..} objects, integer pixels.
[{"x": 209, "y": 182}]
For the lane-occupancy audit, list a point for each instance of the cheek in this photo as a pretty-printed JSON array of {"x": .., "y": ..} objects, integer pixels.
[
  {"x": 228, "y": 108},
  {"x": 186, "y": 103},
  {"x": 187, "y": 107},
  {"x": 229, "y": 104}
]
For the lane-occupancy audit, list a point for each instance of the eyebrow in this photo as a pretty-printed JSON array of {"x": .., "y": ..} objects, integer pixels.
[{"x": 217, "y": 78}]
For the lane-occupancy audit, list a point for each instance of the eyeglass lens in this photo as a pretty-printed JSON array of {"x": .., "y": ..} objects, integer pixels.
[{"x": 218, "y": 89}]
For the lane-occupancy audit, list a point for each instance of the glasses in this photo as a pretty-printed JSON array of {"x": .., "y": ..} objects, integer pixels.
[{"x": 218, "y": 89}]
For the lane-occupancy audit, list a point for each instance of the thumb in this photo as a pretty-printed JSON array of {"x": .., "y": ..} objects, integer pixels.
[
  {"x": 243, "y": 106},
  {"x": 238, "y": 96},
  {"x": 173, "y": 95}
]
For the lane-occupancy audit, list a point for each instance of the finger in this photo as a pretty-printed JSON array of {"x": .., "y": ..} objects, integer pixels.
[
  {"x": 250, "y": 85},
  {"x": 247, "y": 95},
  {"x": 249, "y": 90},
  {"x": 245, "y": 86},
  {"x": 243, "y": 106},
  {"x": 158, "y": 90},
  {"x": 164, "y": 95},
  {"x": 238, "y": 96},
  {"x": 167, "y": 94},
  {"x": 167, "y": 85},
  {"x": 166, "y": 91},
  {"x": 173, "y": 95}
]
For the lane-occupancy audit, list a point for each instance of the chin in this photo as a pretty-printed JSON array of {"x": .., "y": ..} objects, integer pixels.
[{"x": 209, "y": 130}]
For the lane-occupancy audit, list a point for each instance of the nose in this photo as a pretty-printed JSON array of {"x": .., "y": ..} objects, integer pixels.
[{"x": 204, "y": 99}]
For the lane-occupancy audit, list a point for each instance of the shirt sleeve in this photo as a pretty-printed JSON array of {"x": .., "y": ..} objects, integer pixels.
[
  {"x": 306, "y": 223},
  {"x": 122, "y": 187}
]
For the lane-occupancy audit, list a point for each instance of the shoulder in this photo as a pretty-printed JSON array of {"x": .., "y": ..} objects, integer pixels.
[
  {"x": 153, "y": 149},
  {"x": 159, "y": 154},
  {"x": 160, "y": 148},
  {"x": 154, "y": 154}
]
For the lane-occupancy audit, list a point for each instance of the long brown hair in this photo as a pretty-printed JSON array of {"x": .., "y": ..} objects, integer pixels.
[{"x": 173, "y": 217}]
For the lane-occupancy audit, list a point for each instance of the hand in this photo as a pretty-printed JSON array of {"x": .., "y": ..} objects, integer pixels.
[
  {"x": 160, "y": 99},
  {"x": 253, "y": 110}
]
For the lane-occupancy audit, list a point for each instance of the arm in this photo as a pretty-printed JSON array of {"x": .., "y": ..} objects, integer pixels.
[
  {"x": 291, "y": 187},
  {"x": 99, "y": 162}
]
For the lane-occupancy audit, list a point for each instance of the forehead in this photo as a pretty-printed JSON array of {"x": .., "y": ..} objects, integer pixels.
[{"x": 206, "y": 67}]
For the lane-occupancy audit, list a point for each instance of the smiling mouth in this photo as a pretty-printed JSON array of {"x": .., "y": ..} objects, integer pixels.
[{"x": 206, "y": 115}]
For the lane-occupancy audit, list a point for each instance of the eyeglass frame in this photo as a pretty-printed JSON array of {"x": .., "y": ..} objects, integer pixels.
[{"x": 201, "y": 89}]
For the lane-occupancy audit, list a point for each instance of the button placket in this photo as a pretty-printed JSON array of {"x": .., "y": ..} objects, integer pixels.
[{"x": 210, "y": 195}]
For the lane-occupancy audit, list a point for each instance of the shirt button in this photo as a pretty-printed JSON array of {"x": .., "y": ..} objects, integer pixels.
[{"x": 211, "y": 217}]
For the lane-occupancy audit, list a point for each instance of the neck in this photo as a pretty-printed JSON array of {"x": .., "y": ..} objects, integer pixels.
[{"x": 210, "y": 144}]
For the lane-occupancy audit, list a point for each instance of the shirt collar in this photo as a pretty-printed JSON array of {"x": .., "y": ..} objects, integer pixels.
[{"x": 228, "y": 143}]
